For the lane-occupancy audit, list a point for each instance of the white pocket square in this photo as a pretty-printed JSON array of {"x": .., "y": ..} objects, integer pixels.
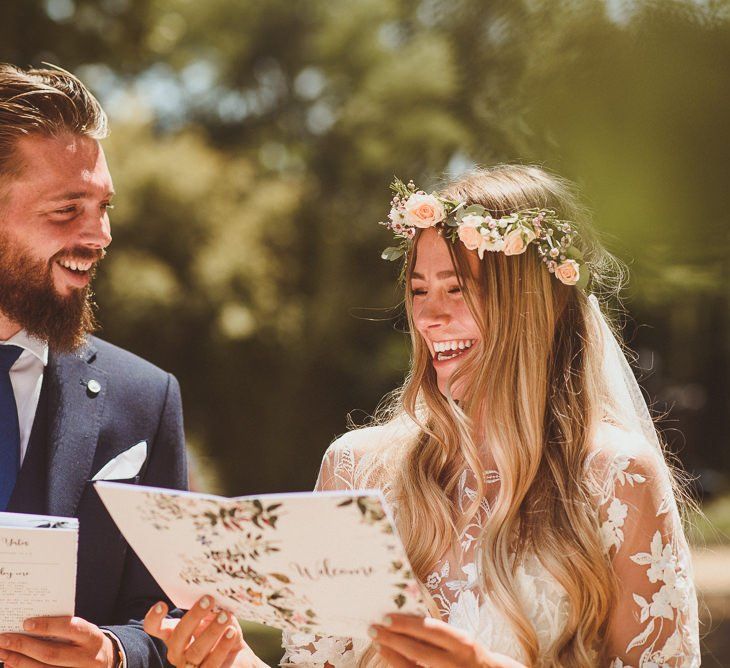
[{"x": 126, "y": 465}]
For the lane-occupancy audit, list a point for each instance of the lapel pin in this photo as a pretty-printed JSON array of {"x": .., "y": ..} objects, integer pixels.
[{"x": 93, "y": 387}]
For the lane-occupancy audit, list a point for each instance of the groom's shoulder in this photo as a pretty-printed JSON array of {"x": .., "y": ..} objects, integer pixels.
[{"x": 123, "y": 364}]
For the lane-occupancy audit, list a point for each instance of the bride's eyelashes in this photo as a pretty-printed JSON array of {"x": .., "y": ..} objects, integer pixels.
[{"x": 420, "y": 291}]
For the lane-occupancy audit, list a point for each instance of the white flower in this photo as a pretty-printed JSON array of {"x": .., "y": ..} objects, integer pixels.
[
  {"x": 617, "y": 663},
  {"x": 611, "y": 532},
  {"x": 396, "y": 216},
  {"x": 472, "y": 220},
  {"x": 328, "y": 647},
  {"x": 609, "y": 536},
  {"x": 661, "y": 605},
  {"x": 662, "y": 562},
  {"x": 491, "y": 242},
  {"x": 470, "y": 570},
  {"x": 617, "y": 512},
  {"x": 504, "y": 221},
  {"x": 619, "y": 467},
  {"x": 672, "y": 647},
  {"x": 466, "y": 613},
  {"x": 433, "y": 580}
]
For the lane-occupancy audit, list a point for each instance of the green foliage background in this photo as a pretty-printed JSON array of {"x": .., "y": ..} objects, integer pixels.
[{"x": 252, "y": 147}]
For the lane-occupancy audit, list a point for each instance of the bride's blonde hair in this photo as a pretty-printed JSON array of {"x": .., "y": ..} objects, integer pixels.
[{"x": 533, "y": 398}]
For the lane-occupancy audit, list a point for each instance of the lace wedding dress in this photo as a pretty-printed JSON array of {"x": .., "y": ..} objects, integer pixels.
[{"x": 654, "y": 623}]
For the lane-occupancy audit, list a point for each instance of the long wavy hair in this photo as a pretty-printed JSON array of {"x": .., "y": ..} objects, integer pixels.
[{"x": 533, "y": 400}]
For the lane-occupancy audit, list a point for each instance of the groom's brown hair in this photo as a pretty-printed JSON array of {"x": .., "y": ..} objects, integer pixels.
[{"x": 46, "y": 102}]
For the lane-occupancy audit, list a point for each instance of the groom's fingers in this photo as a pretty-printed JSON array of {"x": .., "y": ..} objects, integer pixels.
[
  {"x": 20, "y": 661},
  {"x": 29, "y": 651},
  {"x": 75, "y": 629}
]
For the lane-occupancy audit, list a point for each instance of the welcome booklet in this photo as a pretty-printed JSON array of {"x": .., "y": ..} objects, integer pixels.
[
  {"x": 37, "y": 567},
  {"x": 329, "y": 563}
]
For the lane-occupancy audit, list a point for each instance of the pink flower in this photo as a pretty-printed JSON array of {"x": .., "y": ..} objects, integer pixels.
[
  {"x": 469, "y": 232},
  {"x": 422, "y": 210},
  {"x": 568, "y": 272}
]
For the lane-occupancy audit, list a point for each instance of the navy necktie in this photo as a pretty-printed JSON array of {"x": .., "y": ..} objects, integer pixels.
[{"x": 9, "y": 429}]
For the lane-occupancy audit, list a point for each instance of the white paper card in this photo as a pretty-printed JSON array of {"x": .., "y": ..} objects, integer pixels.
[
  {"x": 328, "y": 563},
  {"x": 37, "y": 567}
]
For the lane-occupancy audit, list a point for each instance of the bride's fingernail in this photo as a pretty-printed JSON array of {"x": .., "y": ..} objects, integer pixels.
[
  {"x": 230, "y": 633},
  {"x": 159, "y": 608},
  {"x": 387, "y": 620},
  {"x": 222, "y": 618},
  {"x": 373, "y": 632},
  {"x": 205, "y": 602}
]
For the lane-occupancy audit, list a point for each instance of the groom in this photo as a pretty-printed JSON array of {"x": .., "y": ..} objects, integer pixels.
[{"x": 72, "y": 408}]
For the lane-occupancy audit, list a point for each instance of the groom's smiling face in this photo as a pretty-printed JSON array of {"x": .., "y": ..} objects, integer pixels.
[{"x": 54, "y": 227}]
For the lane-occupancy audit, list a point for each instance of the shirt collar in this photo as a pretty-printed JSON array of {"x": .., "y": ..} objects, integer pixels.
[{"x": 35, "y": 346}]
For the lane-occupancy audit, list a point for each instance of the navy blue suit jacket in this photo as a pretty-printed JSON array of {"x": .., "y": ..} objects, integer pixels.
[{"x": 75, "y": 433}]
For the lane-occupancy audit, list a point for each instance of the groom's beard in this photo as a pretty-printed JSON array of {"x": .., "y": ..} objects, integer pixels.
[{"x": 29, "y": 297}]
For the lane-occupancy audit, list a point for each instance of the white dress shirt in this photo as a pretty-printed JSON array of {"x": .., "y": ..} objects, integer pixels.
[{"x": 26, "y": 377}]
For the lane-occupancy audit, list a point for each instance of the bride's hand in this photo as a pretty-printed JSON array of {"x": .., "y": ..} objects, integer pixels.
[
  {"x": 410, "y": 641},
  {"x": 204, "y": 637}
]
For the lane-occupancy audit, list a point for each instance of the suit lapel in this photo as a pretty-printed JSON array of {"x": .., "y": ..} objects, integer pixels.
[{"x": 74, "y": 423}]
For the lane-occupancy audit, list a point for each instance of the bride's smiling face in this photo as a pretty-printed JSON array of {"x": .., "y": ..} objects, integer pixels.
[{"x": 440, "y": 313}]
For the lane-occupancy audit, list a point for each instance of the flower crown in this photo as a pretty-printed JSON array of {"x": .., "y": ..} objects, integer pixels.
[{"x": 478, "y": 230}]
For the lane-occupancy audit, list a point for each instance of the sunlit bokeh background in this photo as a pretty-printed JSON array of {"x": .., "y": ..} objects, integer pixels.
[{"x": 252, "y": 147}]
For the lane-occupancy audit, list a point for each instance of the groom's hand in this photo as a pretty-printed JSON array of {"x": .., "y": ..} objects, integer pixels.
[{"x": 66, "y": 641}]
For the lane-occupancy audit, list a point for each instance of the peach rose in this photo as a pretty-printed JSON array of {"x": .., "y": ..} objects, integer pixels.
[
  {"x": 516, "y": 242},
  {"x": 568, "y": 272},
  {"x": 469, "y": 232},
  {"x": 422, "y": 210}
]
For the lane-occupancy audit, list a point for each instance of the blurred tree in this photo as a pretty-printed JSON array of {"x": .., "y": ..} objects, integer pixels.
[{"x": 252, "y": 147}]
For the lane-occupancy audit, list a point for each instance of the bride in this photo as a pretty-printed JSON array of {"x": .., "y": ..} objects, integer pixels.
[{"x": 529, "y": 484}]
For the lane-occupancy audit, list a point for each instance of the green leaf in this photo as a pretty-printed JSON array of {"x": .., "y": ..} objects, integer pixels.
[
  {"x": 585, "y": 277},
  {"x": 472, "y": 209},
  {"x": 574, "y": 254},
  {"x": 400, "y": 601},
  {"x": 392, "y": 253}
]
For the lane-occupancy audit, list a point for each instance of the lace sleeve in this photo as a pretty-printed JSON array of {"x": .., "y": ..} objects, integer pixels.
[
  {"x": 301, "y": 649},
  {"x": 655, "y": 620}
]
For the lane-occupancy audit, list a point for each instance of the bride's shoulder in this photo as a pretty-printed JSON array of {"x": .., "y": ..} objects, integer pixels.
[
  {"x": 362, "y": 455},
  {"x": 616, "y": 454},
  {"x": 375, "y": 438}
]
